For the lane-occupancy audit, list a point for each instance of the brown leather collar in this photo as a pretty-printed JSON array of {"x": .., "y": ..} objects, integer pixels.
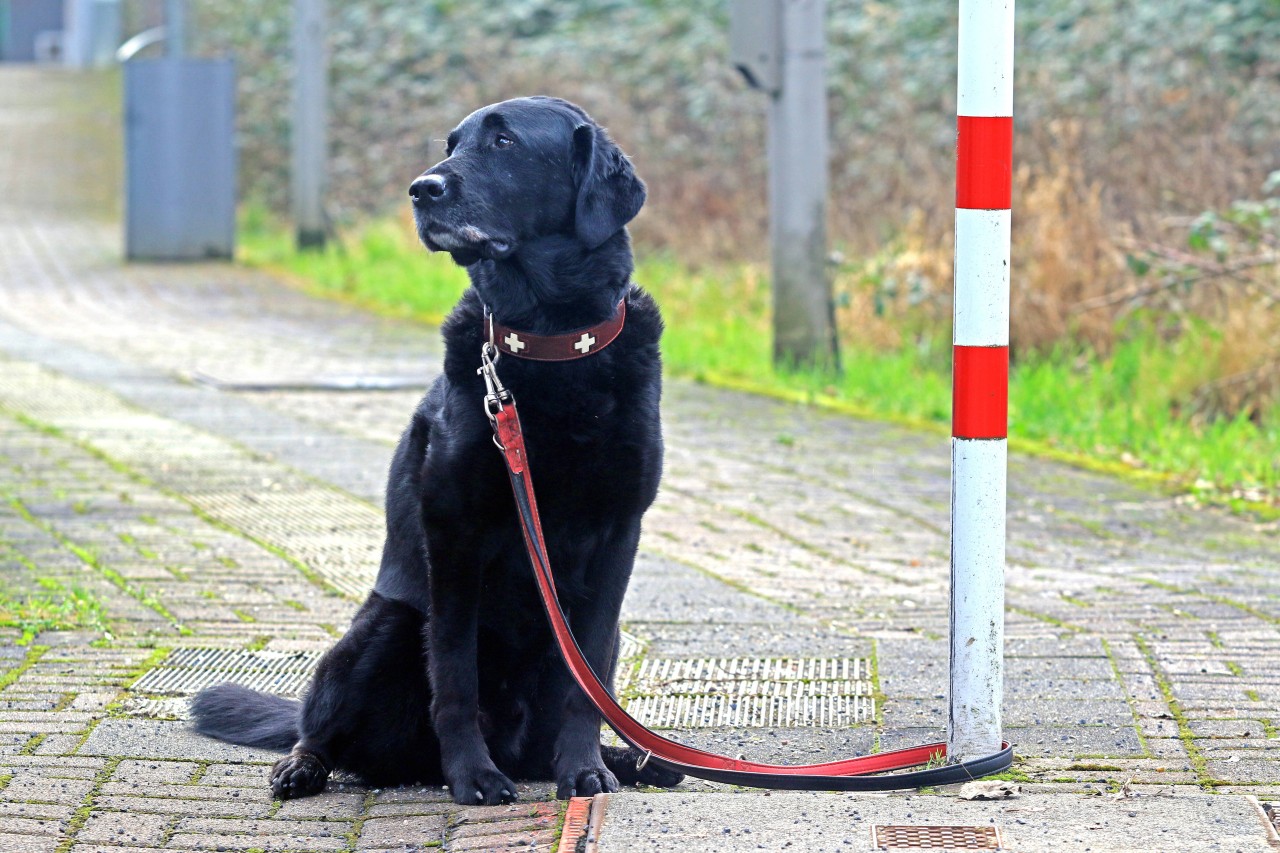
[{"x": 575, "y": 344}]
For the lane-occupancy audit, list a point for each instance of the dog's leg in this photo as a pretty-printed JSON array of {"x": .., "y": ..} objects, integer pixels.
[
  {"x": 366, "y": 708},
  {"x": 578, "y": 766},
  {"x": 325, "y": 714},
  {"x": 452, "y": 660}
]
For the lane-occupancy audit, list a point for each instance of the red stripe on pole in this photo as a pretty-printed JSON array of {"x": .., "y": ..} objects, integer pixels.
[
  {"x": 980, "y": 393},
  {"x": 984, "y": 162}
]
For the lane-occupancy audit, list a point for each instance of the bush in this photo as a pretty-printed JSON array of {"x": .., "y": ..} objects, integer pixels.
[
  {"x": 1164, "y": 106},
  {"x": 1131, "y": 119}
]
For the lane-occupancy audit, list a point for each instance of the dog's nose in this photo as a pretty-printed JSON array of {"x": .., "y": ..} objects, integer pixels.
[{"x": 427, "y": 187}]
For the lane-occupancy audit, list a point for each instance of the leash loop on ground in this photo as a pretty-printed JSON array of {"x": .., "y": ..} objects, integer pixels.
[{"x": 861, "y": 773}]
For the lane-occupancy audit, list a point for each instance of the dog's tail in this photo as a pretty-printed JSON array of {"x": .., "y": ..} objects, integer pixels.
[{"x": 246, "y": 717}]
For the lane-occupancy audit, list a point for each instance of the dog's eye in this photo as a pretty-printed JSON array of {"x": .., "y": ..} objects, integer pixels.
[{"x": 503, "y": 141}]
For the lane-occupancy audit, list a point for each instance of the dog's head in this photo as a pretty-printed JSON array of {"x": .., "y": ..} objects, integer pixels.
[{"x": 520, "y": 170}]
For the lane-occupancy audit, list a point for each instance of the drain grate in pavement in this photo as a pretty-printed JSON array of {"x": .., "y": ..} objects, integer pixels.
[
  {"x": 187, "y": 671},
  {"x": 630, "y": 646},
  {"x": 757, "y": 692},
  {"x": 935, "y": 837}
]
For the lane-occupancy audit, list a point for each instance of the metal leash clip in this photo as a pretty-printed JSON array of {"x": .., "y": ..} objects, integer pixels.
[{"x": 496, "y": 395}]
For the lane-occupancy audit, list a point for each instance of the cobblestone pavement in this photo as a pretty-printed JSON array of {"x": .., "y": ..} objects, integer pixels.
[{"x": 181, "y": 442}]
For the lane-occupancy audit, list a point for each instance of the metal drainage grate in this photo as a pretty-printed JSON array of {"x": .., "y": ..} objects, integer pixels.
[
  {"x": 630, "y": 646},
  {"x": 759, "y": 692},
  {"x": 935, "y": 837},
  {"x": 187, "y": 671}
]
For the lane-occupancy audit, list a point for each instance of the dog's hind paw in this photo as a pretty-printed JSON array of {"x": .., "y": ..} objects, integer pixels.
[
  {"x": 585, "y": 782},
  {"x": 482, "y": 788},
  {"x": 624, "y": 761},
  {"x": 298, "y": 774}
]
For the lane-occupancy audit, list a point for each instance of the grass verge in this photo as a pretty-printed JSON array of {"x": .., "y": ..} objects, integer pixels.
[{"x": 1118, "y": 413}]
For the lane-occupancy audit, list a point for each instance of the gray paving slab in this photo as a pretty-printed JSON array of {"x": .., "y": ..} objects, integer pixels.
[
  {"x": 839, "y": 823},
  {"x": 172, "y": 740}
]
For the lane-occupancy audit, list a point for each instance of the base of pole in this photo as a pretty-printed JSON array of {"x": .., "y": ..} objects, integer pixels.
[{"x": 311, "y": 238}]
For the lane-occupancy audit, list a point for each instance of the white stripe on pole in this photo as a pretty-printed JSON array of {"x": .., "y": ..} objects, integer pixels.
[
  {"x": 977, "y": 596},
  {"x": 985, "y": 79},
  {"x": 982, "y": 278}
]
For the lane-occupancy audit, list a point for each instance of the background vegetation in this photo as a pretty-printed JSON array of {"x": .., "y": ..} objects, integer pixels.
[{"x": 1146, "y": 233}]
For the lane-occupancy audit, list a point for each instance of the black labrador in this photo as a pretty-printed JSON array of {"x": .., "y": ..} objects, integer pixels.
[{"x": 449, "y": 672}]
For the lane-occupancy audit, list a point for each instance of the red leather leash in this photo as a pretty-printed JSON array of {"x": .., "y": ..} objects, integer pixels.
[{"x": 849, "y": 774}]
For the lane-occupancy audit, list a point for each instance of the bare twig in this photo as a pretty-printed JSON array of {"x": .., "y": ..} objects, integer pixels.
[{"x": 1206, "y": 271}]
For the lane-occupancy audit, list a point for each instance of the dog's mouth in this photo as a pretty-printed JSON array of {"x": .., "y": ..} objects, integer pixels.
[{"x": 466, "y": 241}]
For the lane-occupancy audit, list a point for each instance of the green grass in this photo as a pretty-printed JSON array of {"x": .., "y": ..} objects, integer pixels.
[
  {"x": 1117, "y": 413},
  {"x": 59, "y": 609}
]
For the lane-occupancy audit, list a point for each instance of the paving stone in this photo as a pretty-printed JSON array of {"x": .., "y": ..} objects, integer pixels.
[
  {"x": 29, "y": 826},
  {"x": 164, "y": 739},
  {"x": 154, "y": 772},
  {"x": 46, "y": 790},
  {"x": 507, "y": 841},
  {"x": 1245, "y": 771},
  {"x": 514, "y": 811},
  {"x": 197, "y": 841},
  {"x": 58, "y": 745},
  {"x": 125, "y": 828},
  {"x": 330, "y": 805},
  {"x": 398, "y": 832},
  {"x": 129, "y": 848},
  {"x": 405, "y": 809},
  {"x": 182, "y": 792},
  {"x": 19, "y": 843},
  {"x": 235, "y": 775},
  {"x": 176, "y": 806},
  {"x": 39, "y": 811}
]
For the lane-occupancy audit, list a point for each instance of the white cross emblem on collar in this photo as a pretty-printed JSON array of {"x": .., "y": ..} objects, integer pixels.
[
  {"x": 585, "y": 343},
  {"x": 514, "y": 343}
]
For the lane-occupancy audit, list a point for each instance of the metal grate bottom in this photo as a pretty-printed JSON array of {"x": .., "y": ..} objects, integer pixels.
[
  {"x": 188, "y": 671},
  {"x": 935, "y": 837},
  {"x": 754, "y": 692}
]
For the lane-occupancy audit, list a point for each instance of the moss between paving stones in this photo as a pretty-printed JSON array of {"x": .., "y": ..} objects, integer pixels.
[
  {"x": 140, "y": 478},
  {"x": 1199, "y": 764}
]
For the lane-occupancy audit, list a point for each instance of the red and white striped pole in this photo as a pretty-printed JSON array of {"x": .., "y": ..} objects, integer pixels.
[{"x": 980, "y": 392}]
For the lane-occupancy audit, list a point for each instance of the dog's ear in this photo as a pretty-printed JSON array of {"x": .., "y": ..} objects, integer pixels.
[{"x": 609, "y": 192}]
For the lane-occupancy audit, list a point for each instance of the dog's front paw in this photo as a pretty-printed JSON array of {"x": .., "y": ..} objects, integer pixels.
[
  {"x": 585, "y": 782},
  {"x": 298, "y": 774},
  {"x": 481, "y": 787}
]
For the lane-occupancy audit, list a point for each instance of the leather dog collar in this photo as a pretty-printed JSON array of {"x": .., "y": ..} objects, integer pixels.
[{"x": 575, "y": 344}]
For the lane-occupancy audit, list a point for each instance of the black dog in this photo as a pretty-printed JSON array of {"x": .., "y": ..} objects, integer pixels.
[{"x": 449, "y": 672}]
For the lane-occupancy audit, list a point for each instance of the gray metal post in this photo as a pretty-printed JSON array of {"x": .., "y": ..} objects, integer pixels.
[
  {"x": 175, "y": 28},
  {"x": 310, "y": 121},
  {"x": 780, "y": 47}
]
